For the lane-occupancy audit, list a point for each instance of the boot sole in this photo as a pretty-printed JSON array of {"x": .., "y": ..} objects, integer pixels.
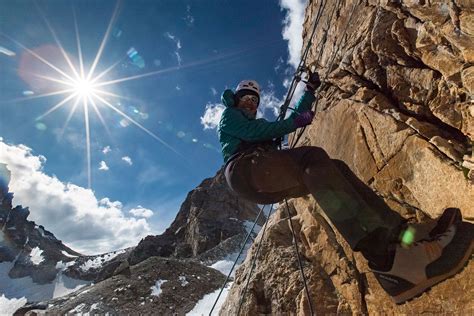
[{"x": 422, "y": 287}]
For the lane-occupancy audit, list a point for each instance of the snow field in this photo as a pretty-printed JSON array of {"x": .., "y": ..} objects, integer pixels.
[{"x": 98, "y": 261}]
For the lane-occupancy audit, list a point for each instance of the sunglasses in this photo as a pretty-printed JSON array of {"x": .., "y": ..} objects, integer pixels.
[{"x": 249, "y": 97}]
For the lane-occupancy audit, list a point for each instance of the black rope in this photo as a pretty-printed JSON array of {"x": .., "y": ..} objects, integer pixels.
[
  {"x": 295, "y": 242},
  {"x": 300, "y": 68},
  {"x": 301, "y": 131},
  {"x": 254, "y": 260},
  {"x": 240, "y": 252}
]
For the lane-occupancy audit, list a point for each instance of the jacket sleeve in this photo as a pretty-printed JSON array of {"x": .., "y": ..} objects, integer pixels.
[
  {"x": 237, "y": 125},
  {"x": 304, "y": 104}
]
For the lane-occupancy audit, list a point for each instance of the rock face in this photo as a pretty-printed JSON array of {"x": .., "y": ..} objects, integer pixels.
[
  {"x": 397, "y": 108},
  {"x": 211, "y": 214}
]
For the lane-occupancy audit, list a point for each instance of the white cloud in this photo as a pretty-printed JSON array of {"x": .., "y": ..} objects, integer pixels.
[
  {"x": 72, "y": 213},
  {"x": 212, "y": 115},
  {"x": 106, "y": 150},
  {"x": 178, "y": 57},
  {"x": 103, "y": 166},
  {"x": 128, "y": 160},
  {"x": 268, "y": 101},
  {"x": 178, "y": 87},
  {"x": 279, "y": 64},
  {"x": 178, "y": 46},
  {"x": 140, "y": 211},
  {"x": 293, "y": 28},
  {"x": 189, "y": 18},
  {"x": 214, "y": 91}
]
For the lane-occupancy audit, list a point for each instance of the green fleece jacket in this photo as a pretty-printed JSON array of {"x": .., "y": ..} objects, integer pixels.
[{"x": 235, "y": 127}]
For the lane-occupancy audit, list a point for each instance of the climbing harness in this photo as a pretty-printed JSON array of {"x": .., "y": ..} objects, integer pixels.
[{"x": 283, "y": 109}]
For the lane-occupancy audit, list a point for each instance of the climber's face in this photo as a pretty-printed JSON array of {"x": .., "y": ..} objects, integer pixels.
[{"x": 249, "y": 103}]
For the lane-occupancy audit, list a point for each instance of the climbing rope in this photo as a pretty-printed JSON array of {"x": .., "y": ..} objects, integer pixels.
[
  {"x": 238, "y": 256},
  {"x": 254, "y": 260},
  {"x": 300, "y": 69},
  {"x": 295, "y": 243},
  {"x": 331, "y": 63}
]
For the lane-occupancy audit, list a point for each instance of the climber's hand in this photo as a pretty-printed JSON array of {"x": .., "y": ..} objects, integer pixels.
[
  {"x": 303, "y": 119},
  {"x": 313, "y": 82}
]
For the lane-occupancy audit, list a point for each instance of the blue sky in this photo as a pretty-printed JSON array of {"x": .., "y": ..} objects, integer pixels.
[{"x": 172, "y": 60}]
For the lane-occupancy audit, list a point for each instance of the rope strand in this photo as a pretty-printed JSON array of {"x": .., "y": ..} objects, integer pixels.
[
  {"x": 240, "y": 252},
  {"x": 254, "y": 260}
]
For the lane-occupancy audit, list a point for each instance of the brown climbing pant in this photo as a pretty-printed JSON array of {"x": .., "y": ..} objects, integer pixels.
[{"x": 269, "y": 176}]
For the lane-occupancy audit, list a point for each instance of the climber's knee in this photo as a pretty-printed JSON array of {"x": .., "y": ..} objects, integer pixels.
[{"x": 315, "y": 157}]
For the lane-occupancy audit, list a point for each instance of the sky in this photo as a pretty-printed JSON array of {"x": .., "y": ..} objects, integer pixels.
[{"x": 109, "y": 109}]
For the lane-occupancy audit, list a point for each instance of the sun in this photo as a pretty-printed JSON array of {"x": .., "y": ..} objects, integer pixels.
[{"x": 84, "y": 88}]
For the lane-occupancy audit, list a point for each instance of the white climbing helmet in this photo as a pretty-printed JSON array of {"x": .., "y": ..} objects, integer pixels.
[{"x": 251, "y": 85}]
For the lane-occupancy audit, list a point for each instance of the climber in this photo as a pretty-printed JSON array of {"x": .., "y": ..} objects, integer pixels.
[{"x": 260, "y": 172}]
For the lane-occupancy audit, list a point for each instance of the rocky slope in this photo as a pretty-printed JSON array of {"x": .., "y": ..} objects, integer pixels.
[
  {"x": 32, "y": 249},
  {"x": 210, "y": 214},
  {"x": 398, "y": 110},
  {"x": 168, "y": 273}
]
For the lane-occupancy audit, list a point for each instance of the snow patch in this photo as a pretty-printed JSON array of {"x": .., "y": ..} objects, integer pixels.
[
  {"x": 78, "y": 309},
  {"x": 156, "y": 289},
  {"x": 93, "y": 307},
  {"x": 9, "y": 306},
  {"x": 98, "y": 261},
  {"x": 68, "y": 255},
  {"x": 63, "y": 266},
  {"x": 63, "y": 286},
  {"x": 248, "y": 226},
  {"x": 17, "y": 289},
  {"x": 223, "y": 266},
  {"x": 36, "y": 256},
  {"x": 183, "y": 280},
  {"x": 226, "y": 263},
  {"x": 205, "y": 304}
]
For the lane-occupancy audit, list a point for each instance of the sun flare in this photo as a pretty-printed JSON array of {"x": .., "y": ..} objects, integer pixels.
[{"x": 84, "y": 88}]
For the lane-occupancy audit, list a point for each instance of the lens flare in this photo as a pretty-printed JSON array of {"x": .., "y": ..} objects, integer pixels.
[{"x": 408, "y": 237}]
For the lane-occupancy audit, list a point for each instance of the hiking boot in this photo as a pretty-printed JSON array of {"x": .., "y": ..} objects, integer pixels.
[
  {"x": 419, "y": 231},
  {"x": 424, "y": 263}
]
